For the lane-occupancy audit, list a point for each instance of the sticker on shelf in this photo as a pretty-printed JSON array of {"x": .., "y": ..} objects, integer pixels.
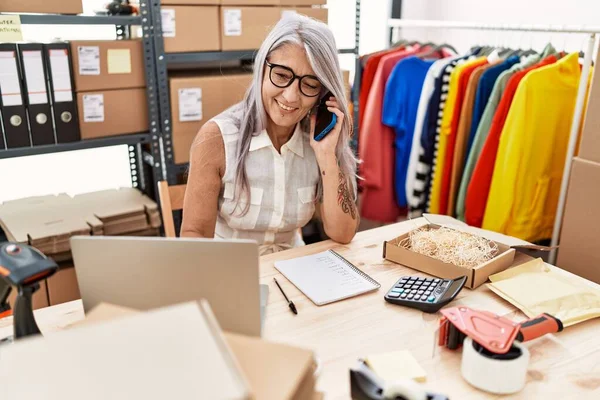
[
  {"x": 233, "y": 22},
  {"x": 61, "y": 76},
  {"x": 10, "y": 29},
  {"x": 33, "y": 66},
  {"x": 190, "y": 104},
  {"x": 168, "y": 22},
  {"x": 93, "y": 108},
  {"x": 9, "y": 79},
  {"x": 119, "y": 61},
  {"x": 89, "y": 60}
]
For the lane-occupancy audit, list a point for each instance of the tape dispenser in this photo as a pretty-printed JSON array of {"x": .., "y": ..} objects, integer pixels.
[{"x": 493, "y": 357}]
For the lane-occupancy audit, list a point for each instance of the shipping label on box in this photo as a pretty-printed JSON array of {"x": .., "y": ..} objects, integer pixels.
[
  {"x": 168, "y": 22},
  {"x": 233, "y": 22},
  {"x": 190, "y": 104},
  {"x": 93, "y": 108},
  {"x": 89, "y": 60}
]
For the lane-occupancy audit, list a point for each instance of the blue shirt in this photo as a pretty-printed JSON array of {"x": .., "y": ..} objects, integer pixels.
[
  {"x": 484, "y": 91},
  {"x": 400, "y": 104}
]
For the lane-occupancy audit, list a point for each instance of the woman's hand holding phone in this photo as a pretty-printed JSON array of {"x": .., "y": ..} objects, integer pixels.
[{"x": 326, "y": 146}]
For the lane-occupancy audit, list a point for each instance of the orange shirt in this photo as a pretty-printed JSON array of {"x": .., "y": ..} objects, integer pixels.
[
  {"x": 463, "y": 81},
  {"x": 479, "y": 186}
]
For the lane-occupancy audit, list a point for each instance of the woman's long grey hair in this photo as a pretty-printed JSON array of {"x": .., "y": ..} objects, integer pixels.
[{"x": 317, "y": 40}]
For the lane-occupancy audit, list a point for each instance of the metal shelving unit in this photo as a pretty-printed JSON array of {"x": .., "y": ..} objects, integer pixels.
[
  {"x": 164, "y": 62},
  {"x": 145, "y": 151}
]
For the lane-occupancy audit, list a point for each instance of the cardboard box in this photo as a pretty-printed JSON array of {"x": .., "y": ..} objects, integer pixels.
[
  {"x": 42, "y": 6},
  {"x": 245, "y": 28},
  {"x": 190, "y": 28},
  {"x": 39, "y": 300},
  {"x": 507, "y": 246},
  {"x": 112, "y": 112},
  {"x": 302, "y": 2},
  {"x": 108, "y": 64},
  {"x": 319, "y": 14},
  {"x": 218, "y": 92},
  {"x": 133, "y": 357},
  {"x": 259, "y": 360},
  {"x": 250, "y": 2},
  {"x": 62, "y": 286},
  {"x": 579, "y": 251},
  {"x": 191, "y": 2},
  {"x": 589, "y": 141}
]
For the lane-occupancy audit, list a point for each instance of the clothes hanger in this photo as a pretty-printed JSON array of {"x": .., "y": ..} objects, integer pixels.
[{"x": 437, "y": 49}]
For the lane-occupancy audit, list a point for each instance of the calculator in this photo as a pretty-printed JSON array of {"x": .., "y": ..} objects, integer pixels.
[{"x": 425, "y": 294}]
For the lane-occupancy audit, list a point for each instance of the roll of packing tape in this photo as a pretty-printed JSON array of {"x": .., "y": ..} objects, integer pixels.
[{"x": 492, "y": 375}]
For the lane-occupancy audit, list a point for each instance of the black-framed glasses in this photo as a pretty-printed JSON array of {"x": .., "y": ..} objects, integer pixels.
[{"x": 282, "y": 77}]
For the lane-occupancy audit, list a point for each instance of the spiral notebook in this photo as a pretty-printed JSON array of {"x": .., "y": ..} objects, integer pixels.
[{"x": 326, "y": 277}]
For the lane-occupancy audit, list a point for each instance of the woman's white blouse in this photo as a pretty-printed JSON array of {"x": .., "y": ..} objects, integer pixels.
[{"x": 283, "y": 187}]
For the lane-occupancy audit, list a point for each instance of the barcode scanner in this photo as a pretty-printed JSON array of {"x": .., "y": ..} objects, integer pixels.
[
  {"x": 23, "y": 267},
  {"x": 326, "y": 120}
]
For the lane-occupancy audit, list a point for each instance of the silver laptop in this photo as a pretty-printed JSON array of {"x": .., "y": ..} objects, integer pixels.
[{"x": 150, "y": 272}]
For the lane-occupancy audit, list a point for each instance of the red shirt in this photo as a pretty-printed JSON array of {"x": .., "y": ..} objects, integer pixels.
[
  {"x": 463, "y": 81},
  {"x": 481, "y": 180},
  {"x": 376, "y": 147}
]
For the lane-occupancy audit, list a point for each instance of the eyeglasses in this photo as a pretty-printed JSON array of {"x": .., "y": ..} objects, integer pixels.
[{"x": 282, "y": 77}]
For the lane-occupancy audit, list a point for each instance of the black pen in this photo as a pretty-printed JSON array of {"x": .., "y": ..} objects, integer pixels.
[{"x": 290, "y": 303}]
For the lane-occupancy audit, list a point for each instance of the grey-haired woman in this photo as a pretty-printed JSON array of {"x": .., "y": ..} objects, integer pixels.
[{"x": 256, "y": 171}]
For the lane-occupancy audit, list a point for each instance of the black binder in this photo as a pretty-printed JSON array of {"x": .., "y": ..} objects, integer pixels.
[
  {"x": 62, "y": 96},
  {"x": 35, "y": 77},
  {"x": 14, "y": 116}
]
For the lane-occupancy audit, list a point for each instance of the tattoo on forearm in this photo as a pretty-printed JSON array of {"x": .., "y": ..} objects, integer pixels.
[{"x": 344, "y": 198}]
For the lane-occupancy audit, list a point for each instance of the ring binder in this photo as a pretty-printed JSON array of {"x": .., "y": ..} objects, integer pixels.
[{"x": 355, "y": 268}]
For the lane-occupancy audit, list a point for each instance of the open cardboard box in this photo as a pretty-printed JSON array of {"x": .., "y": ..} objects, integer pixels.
[{"x": 477, "y": 276}]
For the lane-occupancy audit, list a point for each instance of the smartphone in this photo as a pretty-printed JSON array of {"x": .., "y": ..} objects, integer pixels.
[{"x": 326, "y": 120}]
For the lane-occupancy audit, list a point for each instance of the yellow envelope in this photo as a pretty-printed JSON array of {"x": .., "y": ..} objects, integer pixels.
[{"x": 536, "y": 287}]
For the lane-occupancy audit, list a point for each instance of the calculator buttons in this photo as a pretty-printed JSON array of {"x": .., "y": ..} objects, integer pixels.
[
  {"x": 431, "y": 299},
  {"x": 421, "y": 291},
  {"x": 423, "y": 298},
  {"x": 410, "y": 296},
  {"x": 394, "y": 295},
  {"x": 403, "y": 295}
]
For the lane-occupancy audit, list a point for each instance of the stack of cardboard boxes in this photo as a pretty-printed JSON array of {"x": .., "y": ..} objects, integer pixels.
[
  {"x": 110, "y": 82},
  {"x": 579, "y": 241},
  {"x": 48, "y": 222},
  {"x": 213, "y": 25}
]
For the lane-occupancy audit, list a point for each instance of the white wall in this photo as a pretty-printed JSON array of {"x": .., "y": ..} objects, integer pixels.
[{"x": 555, "y": 12}]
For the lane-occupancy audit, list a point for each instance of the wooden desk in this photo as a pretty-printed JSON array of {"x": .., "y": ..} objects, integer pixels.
[{"x": 562, "y": 366}]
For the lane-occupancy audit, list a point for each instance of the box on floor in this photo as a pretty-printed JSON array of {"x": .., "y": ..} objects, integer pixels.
[
  {"x": 107, "y": 64},
  {"x": 112, "y": 112},
  {"x": 190, "y": 28},
  {"x": 197, "y": 98},
  {"x": 578, "y": 250},
  {"x": 42, "y": 6}
]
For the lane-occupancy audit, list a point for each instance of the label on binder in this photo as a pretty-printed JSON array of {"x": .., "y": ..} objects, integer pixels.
[
  {"x": 61, "y": 77},
  {"x": 168, "y": 22},
  {"x": 9, "y": 79},
  {"x": 190, "y": 104},
  {"x": 89, "y": 60},
  {"x": 10, "y": 29},
  {"x": 93, "y": 108},
  {"x": 33, "y": 65},
  {"x": 233, "y": 22}
]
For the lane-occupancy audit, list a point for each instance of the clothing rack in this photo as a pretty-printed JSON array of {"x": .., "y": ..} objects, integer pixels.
[{"x": 592, "y": 31}]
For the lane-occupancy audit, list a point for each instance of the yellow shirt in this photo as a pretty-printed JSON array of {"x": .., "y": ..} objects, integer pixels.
[
  {"x": 445, "y": 130},
  {"x": 531, "y": 154}
]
